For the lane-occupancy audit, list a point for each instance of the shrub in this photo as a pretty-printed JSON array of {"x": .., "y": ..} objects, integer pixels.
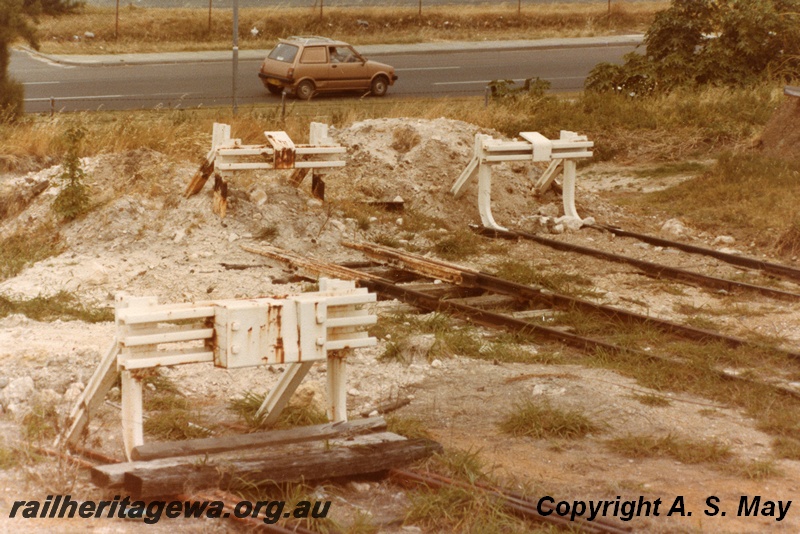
[
  {"x": 12, "y": 100},
  {"x": 720, "y": 42},
  {"x": 73, "y": 199}
]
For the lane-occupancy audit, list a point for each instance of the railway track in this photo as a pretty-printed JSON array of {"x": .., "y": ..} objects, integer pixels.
[
  {"x": 776, "y": 269},
  {"x": 663, "y": 271},
  {"x": 463, "y": 290}
]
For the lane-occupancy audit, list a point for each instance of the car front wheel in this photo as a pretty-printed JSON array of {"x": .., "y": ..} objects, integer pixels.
[
  {"x": 305, "y": 90},
  {"x": 379, "y": 86}
]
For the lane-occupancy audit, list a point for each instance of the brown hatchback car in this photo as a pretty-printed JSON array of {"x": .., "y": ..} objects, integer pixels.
[{"x": 308, "y": 65}]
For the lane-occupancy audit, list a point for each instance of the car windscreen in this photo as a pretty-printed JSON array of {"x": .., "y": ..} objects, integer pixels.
[{"x": 283, "y": 52}]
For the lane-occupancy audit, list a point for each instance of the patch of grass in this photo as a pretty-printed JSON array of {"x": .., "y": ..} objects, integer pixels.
[
  {"x": 727, "y": 200},
  {"x": 539, "y": 419},
  {"x": 22, "y": 249},
  {"x": 667, "y": 170},
  {"x": 405, "y": 138},
  {"x": 63, "y": 305},
  {"x": 650, "y": 399},
  {"x": 460, "y": 245},
  {"x": 683, "y": 450},
  {"x": 41, "y": 423},
  {"x": 408, "y": 426},
  {"x": 246, "y": 407},
  {"x": 752, "y": 470},
  {"x": 387, "y": 240},
  {"x": 786, "y": 447},
  {"x": 176, "y": 423},
  {"x": 453, "y": 509},
  {"x": 268, "y": 233},
  {"x": 530, "y": 274},
  {"x": 9, "y": 457}
]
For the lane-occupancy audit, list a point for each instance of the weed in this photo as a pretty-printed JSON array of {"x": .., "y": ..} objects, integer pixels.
[
  {"x": 540, "y": 420},
  {"x": 683, "y": 450}
]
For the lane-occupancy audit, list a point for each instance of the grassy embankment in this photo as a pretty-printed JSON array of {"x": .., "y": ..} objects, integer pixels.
[{"x": 169, "y": 30}]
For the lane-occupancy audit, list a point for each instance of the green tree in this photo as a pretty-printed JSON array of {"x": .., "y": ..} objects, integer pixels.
[
  {"x": 726, "y": 42},
  {"x": 16, "y": 22}
]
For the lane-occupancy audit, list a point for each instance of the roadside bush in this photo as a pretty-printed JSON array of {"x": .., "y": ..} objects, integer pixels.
[{"x": 719, "y": 42}]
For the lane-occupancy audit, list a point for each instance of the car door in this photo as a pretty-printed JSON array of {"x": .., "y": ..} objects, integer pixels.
[
  {"x": 314, "y": 64},
  {"x": 348, "y": 70}
]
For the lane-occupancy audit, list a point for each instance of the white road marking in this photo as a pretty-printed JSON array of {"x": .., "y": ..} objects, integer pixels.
[
  {"x": 484, "y": 82},
  {"x": 98, "y": 97},
  {"x": 40, "y": 83},
  {"x": 426, "y": 68}
]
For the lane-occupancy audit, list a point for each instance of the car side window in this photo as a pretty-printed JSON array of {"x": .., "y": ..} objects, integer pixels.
[
  {"x": 314, "y": 54},
  {"x": 342, "y": 54},
  {"x": 283, "y": 52}
]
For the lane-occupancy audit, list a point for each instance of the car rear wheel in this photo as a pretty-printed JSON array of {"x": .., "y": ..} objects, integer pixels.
[
  {"x": 305, "y": 90},
  {"x": 274, "y": 89},
  {"x": 379, "y": 86}
]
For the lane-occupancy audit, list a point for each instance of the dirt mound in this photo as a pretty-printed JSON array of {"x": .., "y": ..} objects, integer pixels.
[{"x": 781, "y": 137}]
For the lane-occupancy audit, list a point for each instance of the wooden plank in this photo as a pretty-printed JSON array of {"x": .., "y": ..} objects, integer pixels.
[
  {"x": 272, "y": 438},
  {"x": 337, "y": 462},
  {"x": 93, "y": 395},
  {"x": 201, "y": 176}
]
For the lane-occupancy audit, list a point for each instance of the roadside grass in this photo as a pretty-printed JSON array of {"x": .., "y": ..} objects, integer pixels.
[
  {"x": 539, "y": 419},
  {"x": 63, "y": 305},
  {"x": 186, "y": 29}
]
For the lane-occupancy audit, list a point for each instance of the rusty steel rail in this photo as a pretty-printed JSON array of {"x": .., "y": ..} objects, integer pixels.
[
  {"x": 451, "y": 272},
  {"x": 513, "y": 502},
  {"x": 655, "y": 270},
  {"x": 487, "y": 318},
  {"x": 772, "y": 268}
]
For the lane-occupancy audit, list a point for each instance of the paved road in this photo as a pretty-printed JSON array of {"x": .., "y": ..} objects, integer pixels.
[{"x": 147, "y": 81}]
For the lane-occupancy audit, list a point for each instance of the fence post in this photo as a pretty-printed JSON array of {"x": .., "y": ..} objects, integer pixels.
[
  {"x": 52, "y": 106},
  {"x": 486, "y": 97},
  {"x": 283, "y": 104}
]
